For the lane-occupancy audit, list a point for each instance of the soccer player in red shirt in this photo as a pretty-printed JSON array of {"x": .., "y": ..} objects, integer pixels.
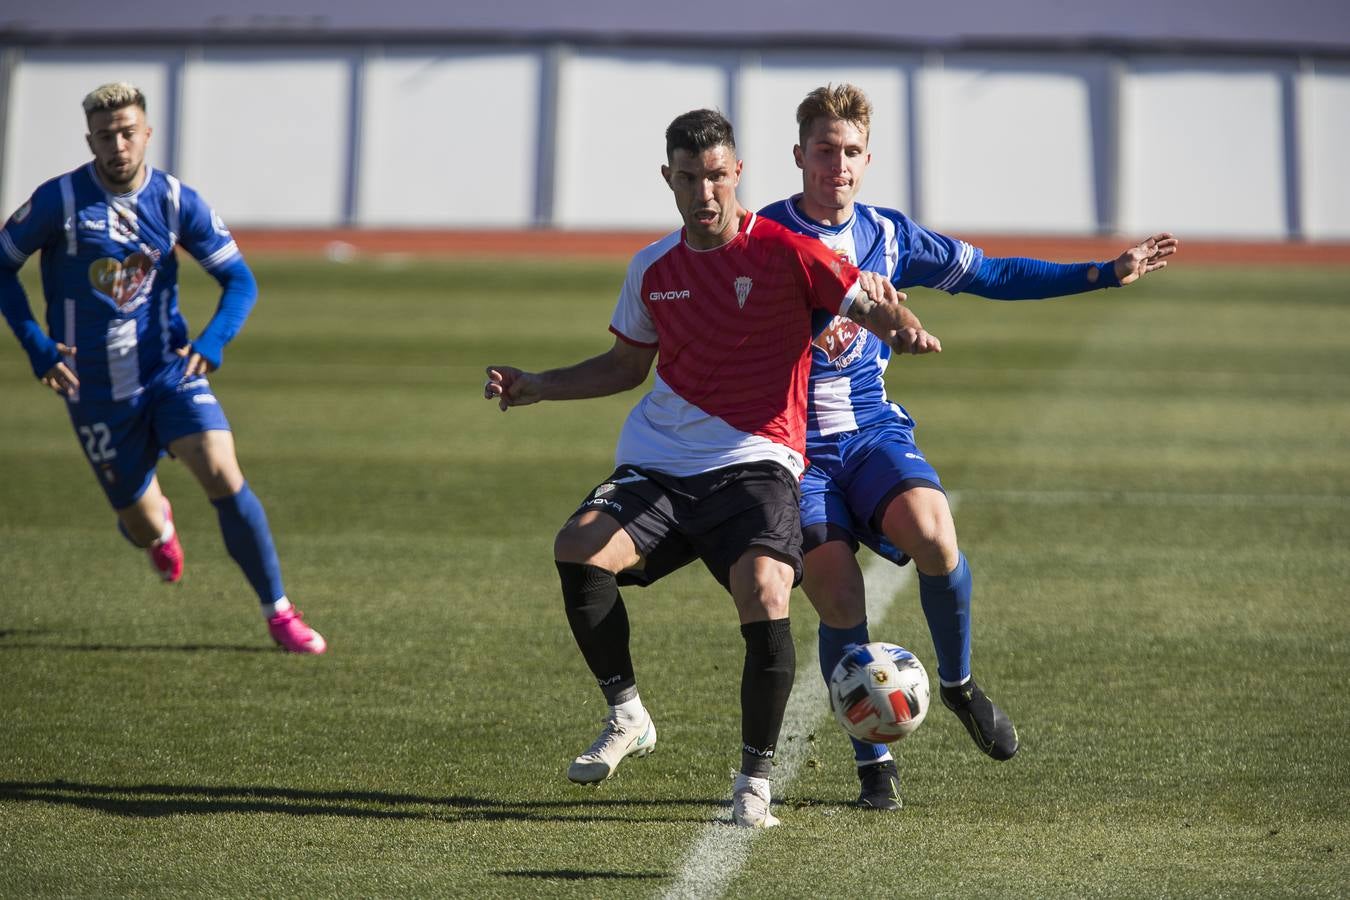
[{"x": 709, "y": 460}]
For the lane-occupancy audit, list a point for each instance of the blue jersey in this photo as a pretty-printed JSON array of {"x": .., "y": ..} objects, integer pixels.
[
  {"x": 847, "y": 361},
  {"x": 110, "y": 274}
]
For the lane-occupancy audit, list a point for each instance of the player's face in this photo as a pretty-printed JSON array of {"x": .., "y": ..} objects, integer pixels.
[
  {"x": 833, "y": 160},
  {"x": 117, "y": 139},
  {"x": 704, "y": 185}
]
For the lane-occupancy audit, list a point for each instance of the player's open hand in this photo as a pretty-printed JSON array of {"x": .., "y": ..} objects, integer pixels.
[
  {"x": 61, "y": 377},
  {"x": 509, "y": 387},
  {"x": 197, "y": 364},
  {"x": 1147, "y": 256},
  {"x": 914, "y": 341}
]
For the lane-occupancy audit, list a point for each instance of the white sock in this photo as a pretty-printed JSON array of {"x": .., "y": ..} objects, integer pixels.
[
  {"x": 630, "y": 711},
  {"x": 166, "y": 535},
  {"x": 276, "y": 608},
  {"x": 885, "y": 757}
]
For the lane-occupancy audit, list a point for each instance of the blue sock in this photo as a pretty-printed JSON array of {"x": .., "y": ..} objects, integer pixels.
[
  {"x": 248, "y": 539},
  {"x": 832, "y": 642},
  {"x": 946, "y": 606}
]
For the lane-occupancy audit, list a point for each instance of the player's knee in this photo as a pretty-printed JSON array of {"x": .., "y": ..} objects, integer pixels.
[
  {"x": 591, "y": 543},
  {"x": 935, "y": 553}
]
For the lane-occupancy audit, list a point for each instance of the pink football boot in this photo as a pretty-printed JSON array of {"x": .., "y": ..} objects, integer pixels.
[
  {"x": 289, "y": 630},
  {"x": 166, "y": 554}
]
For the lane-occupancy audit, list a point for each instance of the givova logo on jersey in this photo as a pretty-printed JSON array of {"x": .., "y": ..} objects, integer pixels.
[{"x": 127, "y": 282}]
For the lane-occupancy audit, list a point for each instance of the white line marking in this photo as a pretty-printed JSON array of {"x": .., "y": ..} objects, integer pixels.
[{"x": 722, "y": 849}]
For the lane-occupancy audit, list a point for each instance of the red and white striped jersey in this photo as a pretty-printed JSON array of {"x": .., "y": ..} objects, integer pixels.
[{"x": 733, "y": 330}]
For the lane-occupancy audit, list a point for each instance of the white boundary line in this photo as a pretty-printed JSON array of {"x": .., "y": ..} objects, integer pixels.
[{"x": 722, "y": 850}]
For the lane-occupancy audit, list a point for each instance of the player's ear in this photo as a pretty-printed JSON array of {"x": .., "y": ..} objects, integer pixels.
[
  {"x": 799, "y": 156},
  {"x": 665, "y": 176},
  {"x": 89, "y": 140}
]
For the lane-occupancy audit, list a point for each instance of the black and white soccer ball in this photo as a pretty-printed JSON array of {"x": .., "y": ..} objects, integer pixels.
[{"x": 879, "y": 692}]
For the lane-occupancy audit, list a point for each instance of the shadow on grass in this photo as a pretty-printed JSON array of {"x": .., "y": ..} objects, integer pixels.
[
  {"x": 120, "y": 648},
  {"x": 143, "y": 648},
  {"x": 580, "y": 875},
  {"x": 158, "y": 800}
]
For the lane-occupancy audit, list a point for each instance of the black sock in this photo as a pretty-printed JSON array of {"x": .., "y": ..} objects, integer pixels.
[
  {"x": 770, "y": 664},
  {"x": 599, "y": 623}
]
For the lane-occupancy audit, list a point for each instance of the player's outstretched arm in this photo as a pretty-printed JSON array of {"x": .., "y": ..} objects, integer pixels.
[
  {"x": 621, "y": 368},
  {"x": 1148, "y": 255},
  {"x": 881, "y": 309}
]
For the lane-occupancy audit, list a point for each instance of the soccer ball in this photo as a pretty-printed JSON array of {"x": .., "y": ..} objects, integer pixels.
[{"x": 879, "y": 692}]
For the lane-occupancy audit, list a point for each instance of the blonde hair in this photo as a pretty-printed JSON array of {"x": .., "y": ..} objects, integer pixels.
[
  {"x": 844, "y": 101},
  {"x": 113, "y": 96}
]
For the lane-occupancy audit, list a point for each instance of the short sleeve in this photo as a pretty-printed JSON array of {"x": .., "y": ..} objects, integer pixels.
[
  {"x": 632, "y": 321},
  {"x": 203, "y": 233},
  {"x": 31, "y": 226}
]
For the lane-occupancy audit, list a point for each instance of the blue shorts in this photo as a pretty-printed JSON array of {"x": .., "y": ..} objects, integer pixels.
[
  {"x": 123, "y": 440},
  {"x": 847, "y": 484}
]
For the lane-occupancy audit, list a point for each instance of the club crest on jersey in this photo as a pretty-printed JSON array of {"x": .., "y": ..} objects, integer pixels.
[
  {"x": 743, "y": 285},
  {"x": 126, "y": 281}
]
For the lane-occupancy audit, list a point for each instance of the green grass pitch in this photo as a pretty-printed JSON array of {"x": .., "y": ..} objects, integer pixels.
[{"x": 1153, "y": 490}]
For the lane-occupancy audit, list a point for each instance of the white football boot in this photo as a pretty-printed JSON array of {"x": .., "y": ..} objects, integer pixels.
[
  {"x": 750, "y": 803},
  {"x": 619, "y": 739}
]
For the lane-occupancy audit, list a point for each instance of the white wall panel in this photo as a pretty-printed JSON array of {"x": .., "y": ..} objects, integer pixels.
[
  {"x": 1203, "y": 149},
  {"x": 425, "y": 160},
  {"x": 768, "y": 92},
  {"x": 45, "y": 126},
  {"x": 1325, "y": 138},
  {"x": 264, "y": 135},
  {"x": 1007, "y": 145},
  {"x": 613, "y": 109}
]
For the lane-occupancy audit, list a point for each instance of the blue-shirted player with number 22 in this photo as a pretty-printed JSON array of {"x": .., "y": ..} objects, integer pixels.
[{"x": 116, "y": 345}]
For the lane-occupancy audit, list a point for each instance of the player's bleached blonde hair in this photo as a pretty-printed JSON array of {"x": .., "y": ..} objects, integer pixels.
[
  {"x": 113, "y": 96},
  {"x": 835, "y": 101}
]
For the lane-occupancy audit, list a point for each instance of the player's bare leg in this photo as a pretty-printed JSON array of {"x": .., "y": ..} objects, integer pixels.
[
  {"x": 919, "y": 522},
  {"x": 210, "y": 456},
  {"x": 589, "y": 551},
  {"x": 761, "y": 586},
  {"x": 148, "y": 523}
]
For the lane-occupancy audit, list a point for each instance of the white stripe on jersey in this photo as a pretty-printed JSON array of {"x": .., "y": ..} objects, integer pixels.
[
  {"x": 833, "y": 406},
  {"x": 892, "y": 244},
  {"x": 221, "y": 256},
  {"x": 667, "y": 433},
  {"x": 175, "y": 205},
  {"x": 124, "y": 365},
  {"x": 11, "y": 250},
  {"x": 68, "y": 209},
  {"x": 958, "y": 271}
]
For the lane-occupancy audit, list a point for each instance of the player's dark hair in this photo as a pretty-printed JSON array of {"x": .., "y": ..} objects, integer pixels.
[{"x": 699, "y": 130}]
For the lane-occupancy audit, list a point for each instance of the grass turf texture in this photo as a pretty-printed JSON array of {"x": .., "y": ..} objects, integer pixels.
[{"x": 1154, "y": 495}]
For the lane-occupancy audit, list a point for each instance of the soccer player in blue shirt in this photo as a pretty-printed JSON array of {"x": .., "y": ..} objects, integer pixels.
[
  {"x": 116, "y": 345},
  {"x": 868, "y": 481}
]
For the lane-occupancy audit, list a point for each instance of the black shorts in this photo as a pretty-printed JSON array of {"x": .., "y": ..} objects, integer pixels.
[{"x": 713, "y": 516}]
